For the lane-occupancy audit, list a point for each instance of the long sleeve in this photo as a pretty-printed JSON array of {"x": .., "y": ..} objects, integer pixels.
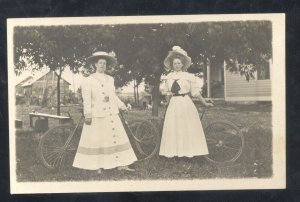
[
  {"x": 195, "y": 86},
  {"x": 119, "y": 103},
  {"x": 163, "y": 87},
  {"x": 87, "y": 98}
]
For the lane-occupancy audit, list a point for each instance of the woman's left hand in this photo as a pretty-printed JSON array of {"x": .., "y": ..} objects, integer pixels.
[
  {"x": 124, "y": 109},
  {"x": 209, "y": 105}
]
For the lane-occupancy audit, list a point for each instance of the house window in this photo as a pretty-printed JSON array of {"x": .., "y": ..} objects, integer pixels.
[{"x": 263, "y": 73}]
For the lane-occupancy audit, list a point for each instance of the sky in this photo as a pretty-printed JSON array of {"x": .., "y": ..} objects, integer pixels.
[{"x": 74, "y": 79}]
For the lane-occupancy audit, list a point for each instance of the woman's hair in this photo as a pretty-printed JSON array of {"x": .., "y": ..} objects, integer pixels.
[
  {"x": 91, "y": 68},
  {"x": 97, "y": 59},
  {"x": 172, "y": 58}
]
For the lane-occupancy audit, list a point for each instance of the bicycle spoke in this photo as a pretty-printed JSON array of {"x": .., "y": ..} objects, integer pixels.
[
  {"x": 51, "y": 148},
  {"x": 230, "y": 152},
  {"x": 52, "y": 155},
  {"x": 146, "y": 138},
  {"x": 61, "y": 160},
  {"x": 53, "y": 141},
  {"x": 71, "y": 149},
  {"x": 231, "y": 148},
  {"x": 51, "y": 151},
  {"x": 144, "y": 134},
  {"x": 57, "y": 160},
  {"x": 211, "y": 141},
  {"x": 56, "y": 146},
  {"x": 230, "y": 131},
  {"x": 53, "y": 159},
  {"x": 224, "y": 141},
  {"x": 236, "y": 140},
  {"x": 230, "y": 138}
]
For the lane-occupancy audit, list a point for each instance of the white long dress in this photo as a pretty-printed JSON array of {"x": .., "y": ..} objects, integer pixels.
[
  {"x": 104, "y": 143},
  {"x": 182, "y": 134}
]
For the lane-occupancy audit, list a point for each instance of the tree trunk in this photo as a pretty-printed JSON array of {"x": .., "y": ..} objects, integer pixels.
[
  {"x": 45, "y": 92},
  {"x": 205, "y": 69},
  {"x": 58, "y": 92},
  {"x": 205, "y": 76},
  {"x": 209, "y": 83},
  {"x": 137, "y": 95},
  {"x": 156, "y": 95},
  {"x": 134, "y": 92}
]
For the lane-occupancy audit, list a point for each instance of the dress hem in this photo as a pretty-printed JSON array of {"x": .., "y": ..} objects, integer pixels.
[
  {"x": 106, "y": 168},
  {"x": 171, "y": 156}
]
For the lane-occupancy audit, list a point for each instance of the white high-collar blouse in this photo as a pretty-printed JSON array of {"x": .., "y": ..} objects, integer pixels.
[
  {"x": 188, "y": 83},
  {"x": 96, "y": 89}
]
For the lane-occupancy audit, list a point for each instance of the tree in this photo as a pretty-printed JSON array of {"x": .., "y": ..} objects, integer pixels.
[
  {"x": 141, "y": 48},
  {"x": 57, "y": 47},
  {"x": 245, "y": 42},
  {"x": 44, "y": 46}
]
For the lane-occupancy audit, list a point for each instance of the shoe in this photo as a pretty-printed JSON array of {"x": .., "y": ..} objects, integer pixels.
[{"x": 126, "y": 168}]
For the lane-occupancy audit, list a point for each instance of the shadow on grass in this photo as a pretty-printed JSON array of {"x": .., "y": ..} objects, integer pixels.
[{"x": 255, "y": 161}]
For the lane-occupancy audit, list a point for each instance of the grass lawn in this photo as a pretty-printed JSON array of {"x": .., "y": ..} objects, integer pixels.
[{"x": 254, "y": 120}]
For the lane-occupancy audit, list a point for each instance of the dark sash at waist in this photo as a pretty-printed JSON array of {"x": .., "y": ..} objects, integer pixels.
[{"x": 184, "y": 94}]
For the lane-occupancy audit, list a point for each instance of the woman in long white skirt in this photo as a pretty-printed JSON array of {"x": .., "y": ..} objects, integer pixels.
[
  {"x": 104, "y": 143},
  {"x": 182, "y": 135}
]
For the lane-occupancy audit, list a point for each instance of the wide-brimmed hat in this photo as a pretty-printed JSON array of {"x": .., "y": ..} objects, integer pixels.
[
  {"x": 110, "y": 57},
  {"x": 177, "y": 52}
]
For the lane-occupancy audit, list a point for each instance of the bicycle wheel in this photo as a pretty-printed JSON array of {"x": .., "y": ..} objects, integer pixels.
[
  {"x": 225, "y": 142},
  {"x": 54, "y": 150},
  {"x": 146, "y": 139}
]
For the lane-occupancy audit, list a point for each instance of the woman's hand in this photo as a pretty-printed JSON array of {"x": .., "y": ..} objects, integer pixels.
[
  {"x": 88, "y": 121},
  {"x": 168, "y": 99},
  {"x": 209, "y": 100},
  {"x": 124, "y": 109},
  {"x": 209, "y": 104}
]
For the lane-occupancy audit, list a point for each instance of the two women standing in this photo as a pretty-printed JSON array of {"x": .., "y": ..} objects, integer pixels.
[{"x": 104, "y": 143}]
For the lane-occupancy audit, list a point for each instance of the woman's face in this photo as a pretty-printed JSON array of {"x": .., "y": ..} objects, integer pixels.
[
  {"x": 177, "y": 65},
  {"x": 100, "y": 65}
]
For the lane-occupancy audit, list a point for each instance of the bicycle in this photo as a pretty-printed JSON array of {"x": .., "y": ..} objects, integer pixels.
[
  {"x": 225, "y": 141},
  {"x": 58, "y": 145}
]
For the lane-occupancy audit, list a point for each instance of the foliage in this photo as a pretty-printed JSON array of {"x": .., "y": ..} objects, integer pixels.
[{"x": 141, "y": 48}]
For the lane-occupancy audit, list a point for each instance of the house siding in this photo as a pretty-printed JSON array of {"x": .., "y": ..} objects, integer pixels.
[{"x": 238, "y": 89}]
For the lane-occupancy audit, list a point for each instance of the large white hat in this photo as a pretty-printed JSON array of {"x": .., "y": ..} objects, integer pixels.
[
  {"x": 177, "y": 52},
  {"x": 110, "y": 57}
]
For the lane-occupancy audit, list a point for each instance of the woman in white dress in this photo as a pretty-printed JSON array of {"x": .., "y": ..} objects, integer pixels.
[
  {"x": 182, "y": 135},
  {"x": 104, "y": 143}
]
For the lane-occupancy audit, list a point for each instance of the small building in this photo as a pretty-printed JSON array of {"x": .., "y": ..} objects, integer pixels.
[
  {"x": 236, "y": 87},
  {"x": 231, "y": 86},
  {"x": 43, "y": 88}
]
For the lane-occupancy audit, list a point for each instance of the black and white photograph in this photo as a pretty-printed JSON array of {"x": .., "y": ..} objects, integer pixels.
[{"x": 146, "y": 103}]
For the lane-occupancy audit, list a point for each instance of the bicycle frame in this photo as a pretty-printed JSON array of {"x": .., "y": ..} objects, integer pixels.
[
  {"x": 82, "y": 117},
  {"x": 123, "y": 120},
  {"x": 76, "y": 127}
]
